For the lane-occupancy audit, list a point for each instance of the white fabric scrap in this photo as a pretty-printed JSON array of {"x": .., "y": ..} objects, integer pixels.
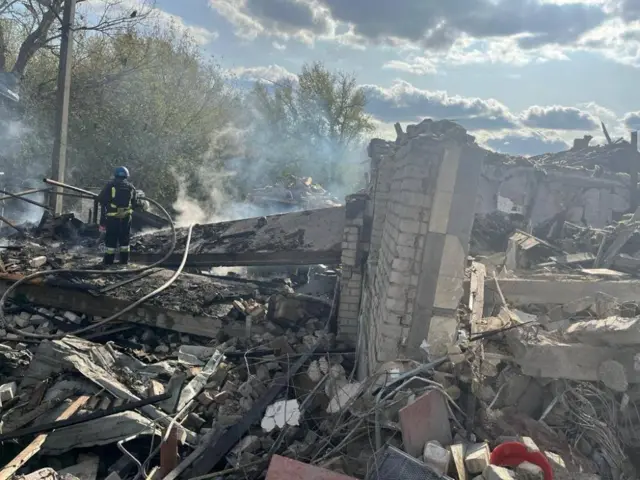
[{"x": 281, "y": 413}]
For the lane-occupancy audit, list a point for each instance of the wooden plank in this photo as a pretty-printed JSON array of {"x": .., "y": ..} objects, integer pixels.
[
  {"x": 34, "y": 447},
  {"x": 458, "y": 452},
  {"x": 476, "y": 295}
]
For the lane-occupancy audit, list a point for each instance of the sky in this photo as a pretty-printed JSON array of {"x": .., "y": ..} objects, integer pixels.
[{"x": 523, "y": 76}]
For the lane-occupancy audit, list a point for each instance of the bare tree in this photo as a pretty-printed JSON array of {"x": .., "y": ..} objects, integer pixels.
[{"x": 39, "y": 23}]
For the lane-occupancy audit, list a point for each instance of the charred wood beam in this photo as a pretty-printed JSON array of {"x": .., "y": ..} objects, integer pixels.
[
  {"x": 105, "y": 306},
  {"x": 34, "y": 447},
  {"x": 28, "y": 200},
  {"x": 49, "y": 427},
  {"x": 327, "y": 257}
]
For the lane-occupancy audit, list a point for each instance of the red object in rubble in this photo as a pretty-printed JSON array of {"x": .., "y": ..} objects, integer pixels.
[{"x": 512, "y": 454}]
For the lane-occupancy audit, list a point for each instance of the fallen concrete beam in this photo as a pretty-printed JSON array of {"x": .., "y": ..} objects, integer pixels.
[
  {"x": 257, "y": 259},
  {"x": 298, "y": 238},
  {"x": 542, "y": 356},
  {"x": 105, "y": 306},
  {"x": 558, "y": 290}
]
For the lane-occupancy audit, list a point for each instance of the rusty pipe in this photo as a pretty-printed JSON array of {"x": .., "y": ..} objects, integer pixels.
[
  {"x": 32, "y": 202},
  {"x": 26, "y": 192},
  {"x": 55, "y": 183},
  {"x": 13, "y": 225}
]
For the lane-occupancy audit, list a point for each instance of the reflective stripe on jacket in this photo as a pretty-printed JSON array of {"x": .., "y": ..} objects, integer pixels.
[
  {"x": 118, "y": 199},
  {"x": 114, "y": 210}
]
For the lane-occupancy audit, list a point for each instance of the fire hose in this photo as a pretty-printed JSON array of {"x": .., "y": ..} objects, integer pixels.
[{"x": 115, "y": 316}]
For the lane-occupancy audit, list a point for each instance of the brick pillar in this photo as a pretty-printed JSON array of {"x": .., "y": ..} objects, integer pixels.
[
  {"x": 415, "y": 284},
  {"x": 441, "y": 277},
  {"x": 355, "y": 246}
]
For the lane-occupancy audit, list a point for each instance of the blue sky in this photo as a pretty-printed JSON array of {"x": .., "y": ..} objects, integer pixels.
[{"x": 525, "y": 76}]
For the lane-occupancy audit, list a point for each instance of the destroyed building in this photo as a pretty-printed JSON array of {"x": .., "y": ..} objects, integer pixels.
[{"x": 477, "y": 318}]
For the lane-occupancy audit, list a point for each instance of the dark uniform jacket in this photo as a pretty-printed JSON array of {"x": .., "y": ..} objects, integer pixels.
[{"x": 118, "y": 199}]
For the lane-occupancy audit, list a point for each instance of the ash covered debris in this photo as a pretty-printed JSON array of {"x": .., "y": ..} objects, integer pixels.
[
  {"x": 293, "y": 193},
  {"x": 308, "y": 237},
  {"x": 246, "y": 378}
]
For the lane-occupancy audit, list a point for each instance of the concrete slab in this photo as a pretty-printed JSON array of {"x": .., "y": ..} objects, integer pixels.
[
  {"x": 544, "y": 356},
  {"x": 558, "y": 290},
  {"x": 608, "y": 331},
  {"x": 303, "y": 238},
  {"x": 424, "y": 420}
]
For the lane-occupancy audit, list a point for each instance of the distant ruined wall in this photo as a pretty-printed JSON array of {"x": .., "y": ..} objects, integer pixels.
[
  {"x": 406, "y": 239},
  {"x": 422, "y": 195},
  {"x": 542, "y": 194}
]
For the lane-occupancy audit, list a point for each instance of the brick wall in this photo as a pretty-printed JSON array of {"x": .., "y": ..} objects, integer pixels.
[{"x": 355, "y": 245}]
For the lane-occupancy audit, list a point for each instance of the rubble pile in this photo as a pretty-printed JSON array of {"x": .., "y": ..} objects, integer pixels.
[
  {"x": 232, "y": 377},
  {"x": 210, "y": 383},
  {"x": 611, "y": 159},
  {"x": 293, "y": 191}
]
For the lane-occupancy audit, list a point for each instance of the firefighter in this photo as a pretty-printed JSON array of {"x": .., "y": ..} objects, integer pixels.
[{"x": 118, "y": 199}]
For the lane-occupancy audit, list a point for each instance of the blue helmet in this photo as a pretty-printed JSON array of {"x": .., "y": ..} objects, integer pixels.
[{"x": 121, "y": 172}]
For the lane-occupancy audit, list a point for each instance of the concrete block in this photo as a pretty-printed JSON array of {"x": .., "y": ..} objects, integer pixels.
[
  {"x": 408, "y": 239},
  {"x": 543, "y": 356},
  {"x": 449, "y": 291},
  {"x": 401, "y": 264},
  {"x": 477, "y": 458},
  {"x": 442, "y": 331},
  {"x": 448, "y": 170},
  {"x": 86, "y": 469},
  {"x": 493, "y": 472},
  {"x": 409, "y": 226},
  {"x": 558, "y": 466},
  {"x": 453, "y": 257},
  {"x": 411, "y": 185},
  {"x": 424, "y": 420},
  {"x": 440, "y": 211},
  {"x": 7, "y": 392},
  {"x": 609, "y": 331},
  {"x": 613, "y": 375},
  {"x": 437, "y": 457},
  {"x": 529, "y": 471}
]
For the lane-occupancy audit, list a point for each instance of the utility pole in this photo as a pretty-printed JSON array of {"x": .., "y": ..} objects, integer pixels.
[
  {"x": 59, "y": 158},
  {"x": 633, "y": 172}
]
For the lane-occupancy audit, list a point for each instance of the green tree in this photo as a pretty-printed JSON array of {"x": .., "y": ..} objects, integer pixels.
[
  {"x": 310, "y": 126},
  {"x": 147, "y": 100},
  {"x": 33, "y": 25}
]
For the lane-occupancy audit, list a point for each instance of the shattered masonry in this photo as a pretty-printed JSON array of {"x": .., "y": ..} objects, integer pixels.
[{"x": 476, "y": 317}]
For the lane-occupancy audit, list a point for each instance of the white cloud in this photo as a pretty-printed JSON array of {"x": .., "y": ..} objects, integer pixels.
[
  {"x": 514, "y": 32},
  {"x": 558, "y": 117},
  {"x": 270, "y": 73},
  {"x": 416, "y": 66},
  {"x": 300, "y": 20}
]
